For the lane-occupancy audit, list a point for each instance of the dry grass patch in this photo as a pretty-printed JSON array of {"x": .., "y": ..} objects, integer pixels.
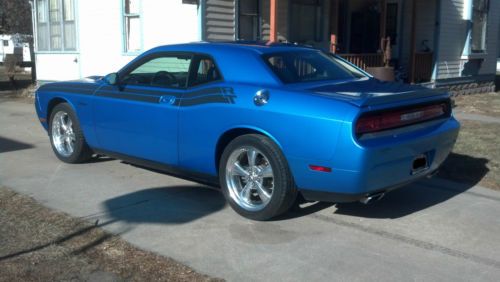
[
  {"x": 485, "y": 104},
  {"x": 476, "y": 156},
  {"x": 38, "y": 244}
]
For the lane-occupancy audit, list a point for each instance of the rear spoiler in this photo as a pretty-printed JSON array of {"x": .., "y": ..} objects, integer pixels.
[{"x": 380, "y": 98}]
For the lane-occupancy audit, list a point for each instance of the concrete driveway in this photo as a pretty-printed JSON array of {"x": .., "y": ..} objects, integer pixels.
[{"x": 433, "y": 230}]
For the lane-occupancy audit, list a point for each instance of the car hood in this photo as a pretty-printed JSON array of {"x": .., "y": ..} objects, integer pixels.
[
  {"x": 92, "y": 82},
  {"x": 369, "y": 92}
]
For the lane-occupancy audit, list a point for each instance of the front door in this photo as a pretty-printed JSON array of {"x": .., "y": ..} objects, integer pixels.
[{"x": 138, "y": 117}]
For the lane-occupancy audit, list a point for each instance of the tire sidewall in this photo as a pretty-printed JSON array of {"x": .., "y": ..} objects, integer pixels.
[
  {"x": 283, "y": 189},
  {"x": 79, "y": 141}
]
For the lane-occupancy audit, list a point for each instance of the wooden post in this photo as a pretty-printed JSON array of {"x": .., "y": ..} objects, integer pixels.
[
  {"x": 412, "y": 41},
  {"x": 333, "y": 43},
  {"x": 273, "y": 32}
]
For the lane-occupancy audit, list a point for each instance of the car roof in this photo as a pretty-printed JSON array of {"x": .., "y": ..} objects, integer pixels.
[
  {"x": 260, "y": 47},
  {"x": 237, "y": 60}
]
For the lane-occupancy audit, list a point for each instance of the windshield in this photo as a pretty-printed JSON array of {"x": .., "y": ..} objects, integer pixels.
[{"x": 309, "y": 65}]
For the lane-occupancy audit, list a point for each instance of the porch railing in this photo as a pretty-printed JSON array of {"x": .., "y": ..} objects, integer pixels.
[
  {"x": 422, "y": 71},
  {"x": 366, "y": 60}
]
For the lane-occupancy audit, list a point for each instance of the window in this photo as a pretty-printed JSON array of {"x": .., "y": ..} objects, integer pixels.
[
  {"x": 132, "y": 26},
  {"x": 56, "y": 29},
  {"x": 166, "y": 71},
  {"x": 204, "y": 71},
  {"x": 307, "y": 21},
  {"x": 479, "y": 24},
  {"x": 5, "y": 43},
  {"x": 249, "y": 20},
  {"x": 307, "y": 66}
]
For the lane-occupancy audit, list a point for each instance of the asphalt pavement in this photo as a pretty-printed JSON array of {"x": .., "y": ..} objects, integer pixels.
[{"x": 432, "y": 230}]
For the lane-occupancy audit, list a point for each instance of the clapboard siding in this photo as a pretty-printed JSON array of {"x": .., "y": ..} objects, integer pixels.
[
  {"x": 452, "y": 38},
  {"x": 219, "y": 20}
]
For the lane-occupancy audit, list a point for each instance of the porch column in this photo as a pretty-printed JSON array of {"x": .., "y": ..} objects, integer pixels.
[{"x": 273, "y": 32}]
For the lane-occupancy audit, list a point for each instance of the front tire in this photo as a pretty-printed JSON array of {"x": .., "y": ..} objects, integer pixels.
[
  {"x": 255, "y": 178},
  {"x": 66, "y": 136}
]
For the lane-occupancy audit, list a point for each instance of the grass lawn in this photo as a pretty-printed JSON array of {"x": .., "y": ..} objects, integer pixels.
[
  {"x": 476, "y": 156},
  {"x": 485, "y": 104}
]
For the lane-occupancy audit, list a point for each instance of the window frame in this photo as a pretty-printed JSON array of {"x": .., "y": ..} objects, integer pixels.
[
  {"x": 468, "y": 15},
  {"x": 124, "y": 16},
  {"x": 356, "y": 72},
  {"x": 485, "y": 13},
  {"x": 135, "y": 64},
  {"x": 192, "y": 70},
  {"x": 258, "y": 15},
  {"x": 47, "y": 23}
]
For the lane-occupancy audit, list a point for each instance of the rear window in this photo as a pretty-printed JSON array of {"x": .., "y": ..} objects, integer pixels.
[{"x": 308, "y": 66}]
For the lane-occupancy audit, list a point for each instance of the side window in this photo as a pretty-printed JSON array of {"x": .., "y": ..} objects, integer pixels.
[
  {"x": 204, "y": 71},
  {"x": 165, "y": 71}
]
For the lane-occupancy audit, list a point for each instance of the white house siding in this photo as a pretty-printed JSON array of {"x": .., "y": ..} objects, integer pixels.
[
  {"x": 452, "y": 39},
  {"x": 219, "y": 20},
  {"x": 100, "y": 37}
]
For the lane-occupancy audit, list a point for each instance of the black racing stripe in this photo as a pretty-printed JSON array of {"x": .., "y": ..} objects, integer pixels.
[
  {"x": 202, "y": 100},
  {"x": 140, "y": 98},
  {"x": 70, "y": 86},
  {"x": 69, "y": 90},
  {"x": 207, "y": 91},
  {"x": 140, "y": 91},
  {"x": 78, "y": 85}
]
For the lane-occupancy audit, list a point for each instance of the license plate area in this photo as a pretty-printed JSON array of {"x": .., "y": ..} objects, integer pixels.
[{"x": 419, "y": 164}]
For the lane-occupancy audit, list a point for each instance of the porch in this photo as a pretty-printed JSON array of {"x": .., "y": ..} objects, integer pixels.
[{"x": 351, "y": 28}]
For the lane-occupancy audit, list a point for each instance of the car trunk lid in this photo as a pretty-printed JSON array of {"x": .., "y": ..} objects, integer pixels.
[{"x": 372, "y": 92}]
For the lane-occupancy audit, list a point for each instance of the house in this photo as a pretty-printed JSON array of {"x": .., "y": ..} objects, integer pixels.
[
  {"x": 15, "y": 45},
  {"x": 439, "y": 43}
]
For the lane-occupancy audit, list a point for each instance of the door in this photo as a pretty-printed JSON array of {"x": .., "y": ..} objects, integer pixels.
[{"x": 138, "y": 116}]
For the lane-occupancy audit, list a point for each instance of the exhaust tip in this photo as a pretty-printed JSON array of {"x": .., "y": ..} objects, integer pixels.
[
  {"x": 430, "y": 175},
  {"x": 372, "y": 198}
]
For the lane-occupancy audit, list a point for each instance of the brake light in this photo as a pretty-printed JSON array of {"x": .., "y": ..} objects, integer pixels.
[{"x": 399, "y": 118}]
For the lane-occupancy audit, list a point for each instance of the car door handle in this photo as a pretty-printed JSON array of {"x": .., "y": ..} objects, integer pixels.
[{"x": 167, "y": 99}]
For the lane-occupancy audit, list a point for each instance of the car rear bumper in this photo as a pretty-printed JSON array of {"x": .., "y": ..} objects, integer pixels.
[{"x": 360, "y": 169}]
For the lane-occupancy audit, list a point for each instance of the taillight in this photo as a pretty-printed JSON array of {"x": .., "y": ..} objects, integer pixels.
[{"x": 398, "y": 118}]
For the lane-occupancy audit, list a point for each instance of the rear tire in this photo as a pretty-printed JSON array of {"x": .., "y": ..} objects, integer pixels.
[
  {"x": 66, "y": 136},
  {"x": 255, "y": 178}
]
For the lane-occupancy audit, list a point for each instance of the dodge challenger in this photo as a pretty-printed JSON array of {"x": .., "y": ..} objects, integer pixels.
[{"x": 268, "y": 123}]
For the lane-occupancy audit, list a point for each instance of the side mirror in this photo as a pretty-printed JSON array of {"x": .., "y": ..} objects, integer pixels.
[{"x": 111, "y": 78}]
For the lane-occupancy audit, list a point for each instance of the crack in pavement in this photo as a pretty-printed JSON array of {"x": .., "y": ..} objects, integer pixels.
[{"x": 410, "y": 241}]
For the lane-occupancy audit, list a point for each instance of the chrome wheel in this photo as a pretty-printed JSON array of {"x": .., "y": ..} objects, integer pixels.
[
  {"x": 63, "y": 136},
  {"x": 250, "y": 178}
]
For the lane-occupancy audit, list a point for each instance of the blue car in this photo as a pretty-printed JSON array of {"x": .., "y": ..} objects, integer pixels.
[{"x": 268, "y": 123}]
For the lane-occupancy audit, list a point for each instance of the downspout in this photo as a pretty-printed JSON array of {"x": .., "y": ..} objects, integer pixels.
[{"x": 201, "y": 20}]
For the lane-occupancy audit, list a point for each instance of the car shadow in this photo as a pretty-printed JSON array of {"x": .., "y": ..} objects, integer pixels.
[
  {"x": 168, "y": 205},
  {"x": 9, "y": 145},
  {"x": 424, "y": 193}
]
